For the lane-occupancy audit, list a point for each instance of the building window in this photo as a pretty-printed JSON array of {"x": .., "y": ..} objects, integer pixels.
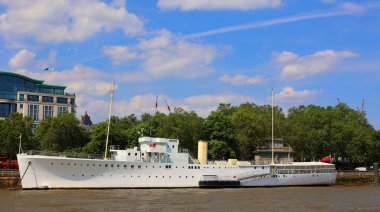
[
  {"x": 62, "y": 110},
  {"x": 21, "y": 106},
  {"x": 48, "y": 111},
  {"x": 33, "y": 98},
  {"x": 34, "y": 127},
  {"x": 61, "y": 100},
  {"x": 72, "y": 101},
  {"x": 72, "y": 110},
  {"x": 47, "y": 99},
  {"x": 21, "y": 97},
  {"x": 33, "y": 112}
]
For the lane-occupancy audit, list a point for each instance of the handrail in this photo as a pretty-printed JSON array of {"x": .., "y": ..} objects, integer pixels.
[{"x": 65, "y": 154}]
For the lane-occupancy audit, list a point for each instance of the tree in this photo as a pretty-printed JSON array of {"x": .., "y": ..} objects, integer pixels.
[
  {"x": 61, "y": 133},
  {"x": 219, "y": 150},
  {"x": 218, "y": 125},
  {"x": 182, "y": 125},
  {"x": 10, "y": 130}
]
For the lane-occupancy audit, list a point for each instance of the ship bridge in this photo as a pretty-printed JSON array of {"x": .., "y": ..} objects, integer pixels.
[{"x": 158, "y": 150}]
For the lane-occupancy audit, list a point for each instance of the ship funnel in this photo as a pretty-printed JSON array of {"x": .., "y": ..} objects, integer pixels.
[{"x": 202, "y": 152}]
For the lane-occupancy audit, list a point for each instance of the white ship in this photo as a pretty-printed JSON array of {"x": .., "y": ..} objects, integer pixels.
[{"x": 160, "y": 163}]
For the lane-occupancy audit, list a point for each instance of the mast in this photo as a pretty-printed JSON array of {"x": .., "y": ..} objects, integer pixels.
[
  {"x": 109, "y": 120},
  {"x": 272, "y": 126}
]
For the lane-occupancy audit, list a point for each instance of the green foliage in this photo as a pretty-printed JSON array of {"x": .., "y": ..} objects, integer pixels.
[
  {"x": 219, "y": 150},
  {"x": 10, "y": 130},
  {"x": 61, "y": 133}
]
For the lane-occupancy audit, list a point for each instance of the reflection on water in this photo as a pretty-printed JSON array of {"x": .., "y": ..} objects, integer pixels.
[{"x": 333, "y": 198}]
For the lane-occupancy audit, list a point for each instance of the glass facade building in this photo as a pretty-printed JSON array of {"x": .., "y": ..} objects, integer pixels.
[{"x": 33, "y": 98}]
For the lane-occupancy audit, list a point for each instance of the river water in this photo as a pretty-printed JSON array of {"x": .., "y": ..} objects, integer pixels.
[{"x": 329, "y": 198}]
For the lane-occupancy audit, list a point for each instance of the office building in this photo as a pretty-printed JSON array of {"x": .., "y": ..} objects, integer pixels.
[{"x": 33, "y": 98}]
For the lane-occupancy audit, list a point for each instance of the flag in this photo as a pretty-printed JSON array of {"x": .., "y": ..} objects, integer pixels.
[
  {"x": 326, "y": 159},
  {"x": 167, "y": 105},
  {"x": 46, "y": 69},
  {"x": 156, "y": 103}
]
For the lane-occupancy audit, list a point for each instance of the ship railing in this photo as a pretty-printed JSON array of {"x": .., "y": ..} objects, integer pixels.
[
  {"x": 192, "y": 159},
  {"x": 65, "y": 154}
]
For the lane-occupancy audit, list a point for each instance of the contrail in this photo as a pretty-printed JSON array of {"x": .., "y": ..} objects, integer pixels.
[{"x": 253, "y": 25}]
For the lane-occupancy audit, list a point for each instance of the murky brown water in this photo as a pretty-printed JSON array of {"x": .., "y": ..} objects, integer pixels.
[{"x": 334, "y": 198}]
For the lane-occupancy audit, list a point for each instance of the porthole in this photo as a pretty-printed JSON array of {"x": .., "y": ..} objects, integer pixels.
[
  {"x": 68, "y": 164},
  {"x": 75, "y": 164},
  {"x": 106, "y": 165},
  {"x": 62, "y": 164},
  {"x": 117, "y": 165},
  {"x": 111, "y": 165},
  {"x": 132, "y": 166},
  {"x": 125, "y": 166},
  {"x": 52, "y": 163},
  {"x": 89, "y": 164},
  {"x": 94, "y": 165},
  {"x": 139, "y": 166}
]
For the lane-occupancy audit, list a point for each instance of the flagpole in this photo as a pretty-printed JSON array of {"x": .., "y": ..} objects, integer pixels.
[
  {"x": 109, "y": 120},
  {"x": 19, "y": 146},
  {"x": 272, "y": 126}
]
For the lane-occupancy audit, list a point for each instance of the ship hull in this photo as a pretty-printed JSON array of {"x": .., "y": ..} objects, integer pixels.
[
  {"x": 291, "y": 180},
  {"x": 43, "y": 172}
]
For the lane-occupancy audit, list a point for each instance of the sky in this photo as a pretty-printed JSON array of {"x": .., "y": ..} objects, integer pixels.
[{"x": 195, "y": 54}]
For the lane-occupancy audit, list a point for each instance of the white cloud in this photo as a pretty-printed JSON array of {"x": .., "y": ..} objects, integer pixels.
[
  {"x": 241, "y": 79},
  {"x": 260, "y": 24},
  {"x": 299, "y": 67},
  {"x": 290, "y": 95},
  {"x": 22, "y": 58},
  {"x": 187, "y": 5},
  {"x": 58, "y": 21},
  {"x": 119, "y": 54},
  {"x": 89, "y": 81},
  {"x": 205, "y": 103},
  {"x": 352, "y": 7},
  {"x": 165, "y": 56}
]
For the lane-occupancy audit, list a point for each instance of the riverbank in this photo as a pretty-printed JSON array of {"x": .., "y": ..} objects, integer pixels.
[{"x": 10, "y": 178}]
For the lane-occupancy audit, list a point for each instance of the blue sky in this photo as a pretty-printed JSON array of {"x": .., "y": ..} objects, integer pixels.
[{"x": 197, "y": 53}]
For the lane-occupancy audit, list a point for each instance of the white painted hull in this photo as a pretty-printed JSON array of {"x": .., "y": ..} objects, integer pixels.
[
  {"x": 61, "y": 172},
  {"x": 292, "y": 180}
]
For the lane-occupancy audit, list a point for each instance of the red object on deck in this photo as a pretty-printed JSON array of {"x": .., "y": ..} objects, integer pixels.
[
  {"x": 326, "y": 159},
  {"x": 9, "y": 164},
  {"x": 152, "y": 145}
]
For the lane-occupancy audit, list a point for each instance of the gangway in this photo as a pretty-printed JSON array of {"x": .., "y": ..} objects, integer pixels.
[{"x": 253, "y": 174}]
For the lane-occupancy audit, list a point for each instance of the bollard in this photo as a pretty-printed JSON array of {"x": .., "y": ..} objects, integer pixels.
[{"x": 376, "y": 173}]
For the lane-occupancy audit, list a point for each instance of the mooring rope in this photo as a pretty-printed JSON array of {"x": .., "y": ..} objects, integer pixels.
[{"x": 24, "y": 172}]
